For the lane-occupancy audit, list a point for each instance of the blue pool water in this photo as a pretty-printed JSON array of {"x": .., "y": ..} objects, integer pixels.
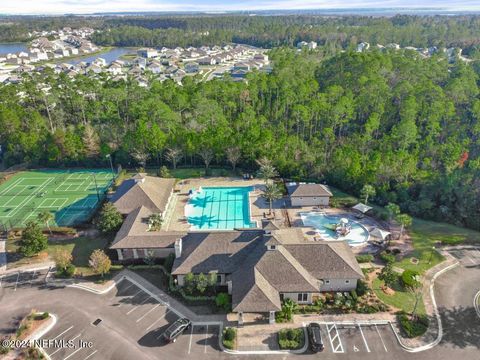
[
  {"x": 358, "y": 234},
  {"x": 219, "y": 208}
]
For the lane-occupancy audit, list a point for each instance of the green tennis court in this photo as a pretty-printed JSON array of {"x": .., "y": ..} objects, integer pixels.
[{"x": 70, "y": 195}]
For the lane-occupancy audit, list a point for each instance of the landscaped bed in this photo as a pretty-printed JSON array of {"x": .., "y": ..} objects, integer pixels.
[{"x": 291, "y": 339}]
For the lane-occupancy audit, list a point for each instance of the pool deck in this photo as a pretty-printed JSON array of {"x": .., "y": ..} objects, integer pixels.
[
  {"x": 283, "y": 213},
  {"x": 178, "y": 220}
]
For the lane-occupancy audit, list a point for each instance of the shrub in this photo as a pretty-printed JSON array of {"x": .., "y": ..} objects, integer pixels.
[
  {"x": 409, "y": 278},
  {"x": 364, "y": 258},
  {"x": 222, "y": 300},
  {"x": 413, "y": 327},
  {"x": 291, "y": 339},
  {"x": 362, "y": 288},
  {"x": 100, "y": 262},
  {"x": 388, "y": 276},
  {"x": 229, "y": 336},
  {"x": 66, "y": 272},
  {"x": 168, "y": 264},
  {"x": 387, "y": 258},
  {"x": 164, "y": 173}
]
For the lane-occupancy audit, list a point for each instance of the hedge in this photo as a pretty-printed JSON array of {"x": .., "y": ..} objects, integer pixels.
[
  {"x": 229, "y": 337},
  {"x": 409, "y": 278},
  {"x": 364, "y": 258}
]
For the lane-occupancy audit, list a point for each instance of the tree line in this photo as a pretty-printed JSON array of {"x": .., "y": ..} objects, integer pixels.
[{"x": 407, "y": 126}]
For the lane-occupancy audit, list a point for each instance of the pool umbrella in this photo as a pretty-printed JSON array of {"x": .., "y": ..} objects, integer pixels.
[{"x": 344, "y": 220}]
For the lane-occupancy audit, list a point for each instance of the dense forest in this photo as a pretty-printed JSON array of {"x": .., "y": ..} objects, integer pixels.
[
  {"x": 334, "y": 32},
  {"x": 407, "y": 125}
]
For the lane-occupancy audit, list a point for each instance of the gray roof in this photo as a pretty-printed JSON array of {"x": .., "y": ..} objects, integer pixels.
[
  {"x": 221, "y": 251},
  {"x": 308, "y": 190},
  {"x": 141, "y": 190},
  {"x": 259, "y": 275},
  {"x": 134, "y": 233}
]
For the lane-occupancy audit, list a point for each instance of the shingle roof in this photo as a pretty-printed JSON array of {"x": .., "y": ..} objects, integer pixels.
[
  {"x": 308, "y": 190},
  {"x": 259, "y": 275},
  {"x": 141, "y": 190},
  {"x": 335, "y": 257},
  {"x": 260, "y": 297},
  {"x": 221, "y": 251},
  {"x": 134, "y": 233}
]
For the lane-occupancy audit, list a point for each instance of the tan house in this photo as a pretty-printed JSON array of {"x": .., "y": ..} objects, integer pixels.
[
  {"x": 261, "y": 268},
  {"x": 309, "y": 194},
  {"x": 154, "y": 193}
]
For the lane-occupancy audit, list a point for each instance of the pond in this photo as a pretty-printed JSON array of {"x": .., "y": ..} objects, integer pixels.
[
  {"x": 6, "y": 48},
  {"x": 109, "y": 56}
]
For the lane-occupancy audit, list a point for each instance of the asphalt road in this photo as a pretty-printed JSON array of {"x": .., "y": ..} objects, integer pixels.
[{"x": 131, "y": 323}]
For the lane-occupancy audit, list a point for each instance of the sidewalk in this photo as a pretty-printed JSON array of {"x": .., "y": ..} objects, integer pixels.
[{"x": 3, "y": 254}]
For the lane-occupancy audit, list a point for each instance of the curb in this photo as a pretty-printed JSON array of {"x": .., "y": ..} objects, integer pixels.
[
  {"x": 92, "y": 290},
  {"x": 43, "y": 332},
  {"x": 437, "y": 315},
  {"x": 476, "y": 303}
]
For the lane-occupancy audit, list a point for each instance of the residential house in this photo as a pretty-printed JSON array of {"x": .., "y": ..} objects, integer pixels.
[
  {"x": 308, "y": 194},
  {"x": 141, "y": 190},
  {"x": 261, "y": 268},
  {"x": 192, "y": 67},
  {"x": 207, "y": 61},
  {"x": 147, "y": 53}
]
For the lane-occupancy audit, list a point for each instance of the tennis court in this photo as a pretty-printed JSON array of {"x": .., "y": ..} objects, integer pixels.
[{"x": 70, "y": 195}]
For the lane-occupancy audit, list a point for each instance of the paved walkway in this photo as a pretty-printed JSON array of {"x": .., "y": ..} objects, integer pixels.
[{"x": 3, "y": 254}]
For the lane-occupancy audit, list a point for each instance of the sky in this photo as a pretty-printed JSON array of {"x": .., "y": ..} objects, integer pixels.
[{"x": 91, "y": 6}]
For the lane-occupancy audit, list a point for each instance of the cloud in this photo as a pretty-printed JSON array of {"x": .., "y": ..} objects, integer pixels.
[{"x": 90, "y": 6}]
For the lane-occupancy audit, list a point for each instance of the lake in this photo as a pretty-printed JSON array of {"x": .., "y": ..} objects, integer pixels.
[
  {"x": 109, "y": 56},
  {"x": 6, "y": 48}
]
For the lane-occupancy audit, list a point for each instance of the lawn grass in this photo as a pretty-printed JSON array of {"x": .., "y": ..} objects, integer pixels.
[
  {"x": 80, "y": 248},
  {"x": 402, "y": 299},
  {"x": 426, "y": 234}
]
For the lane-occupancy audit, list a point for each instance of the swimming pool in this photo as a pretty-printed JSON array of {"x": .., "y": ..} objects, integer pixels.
[
  {"x": 358, "y": 235},
  {"x": 219, "y": 208}
]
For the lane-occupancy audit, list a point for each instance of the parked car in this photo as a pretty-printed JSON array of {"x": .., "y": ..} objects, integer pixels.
[
  {"x": 176, "y": 329},
  {"x": 315, "y": 337}
]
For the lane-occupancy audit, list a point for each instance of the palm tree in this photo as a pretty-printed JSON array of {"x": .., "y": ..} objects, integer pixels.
[
  {"x": 155, "y": 222},
  {"x": 366, "y": 192},
  {"x": 45, "y": 217},
  {"x": 272, "y": 192},
  {"x": 267, "y": 172}
]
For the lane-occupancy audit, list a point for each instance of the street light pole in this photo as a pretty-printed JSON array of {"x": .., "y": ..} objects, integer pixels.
[
  {"x": 431, "y": 254},
  {"x": 109, "y": 157}
]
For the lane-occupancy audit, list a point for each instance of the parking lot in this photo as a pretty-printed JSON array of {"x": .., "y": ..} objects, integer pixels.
[
  {"x": 468, "y": 257},
  {"x": 341, "y": 338},
  {"x": 132, "y": 310},
  {"x": 21, "y": 279}
]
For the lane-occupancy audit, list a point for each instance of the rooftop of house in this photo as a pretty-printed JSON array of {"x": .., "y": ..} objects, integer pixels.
[
  {"x": 263, "y": 265},
  {"x": 142, "y": 190},
  {"x": 306, "y": 190},
  {"x": 135, "y": 233}
]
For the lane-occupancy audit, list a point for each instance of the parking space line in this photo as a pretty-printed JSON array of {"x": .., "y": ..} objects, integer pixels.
[
  {"x": 1, "y": 277},
  {"x": 156, "y": 321},
  {"x": 190, "y": 343},
  {"x": 131, "y": 297},
  {"x": 128, "y": 287},
  {"x": 89, "y": 356},
  {"x": 61, "y": 348},
  {"x": 33, "y": 277},
  {"x": 136, "y": 307},
  {"x": 206, "y": 335},
  {"x": 16, "y": 282},
  {"x": 56, "y": 337},
  {"x": 148, "y": 312},
  {"x": 381, "y": 338},
  {"x": 80, "y": 348},
  {"x": 363, "y": 337},
  {"x": 332, "y": 339}
]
